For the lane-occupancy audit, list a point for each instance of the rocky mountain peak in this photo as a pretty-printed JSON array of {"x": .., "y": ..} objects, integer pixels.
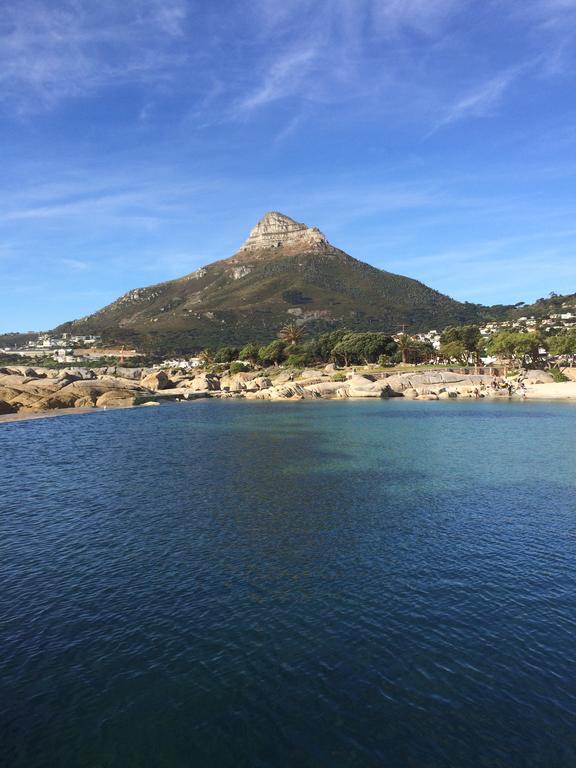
[{"x": 275, "y": 230}]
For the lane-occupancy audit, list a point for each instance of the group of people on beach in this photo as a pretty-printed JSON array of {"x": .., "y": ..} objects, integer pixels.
[{"x": 499, "y": 385}]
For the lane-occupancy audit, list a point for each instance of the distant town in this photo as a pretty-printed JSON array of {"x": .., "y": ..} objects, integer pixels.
[{"x": 72, "y": 348}]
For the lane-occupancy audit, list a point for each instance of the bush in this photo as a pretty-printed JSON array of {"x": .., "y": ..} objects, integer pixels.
[
  {"x": 273, "y": 353},
  {"x": 297, "y": 361},
  {"x": 250, "y": 352},
  {"x": 339, "y": 377},
  {"x": 558, "y": 376},
  {"x": 226, "y": 354},
  {"x": 238, "y": 368}
]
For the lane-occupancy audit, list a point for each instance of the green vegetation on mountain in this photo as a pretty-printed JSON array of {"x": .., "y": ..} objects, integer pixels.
[
  {"x": 285, "y": 274},
  {"x": 555, "y": 303}
]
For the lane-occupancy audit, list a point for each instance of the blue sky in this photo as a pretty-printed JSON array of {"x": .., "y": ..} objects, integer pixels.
[{"x": 142, "y": 139}]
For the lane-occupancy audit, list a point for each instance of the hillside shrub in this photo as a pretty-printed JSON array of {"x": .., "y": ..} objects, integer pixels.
[
  {"x": 558, "y": 376},
  {"x": 238, "y": 368},
  {"x": 297, "y": 361},
  {"x": 273, "y": 353}
]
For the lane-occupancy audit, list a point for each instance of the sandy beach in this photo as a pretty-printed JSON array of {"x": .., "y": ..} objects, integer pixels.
[
  {"x": 11, "y": 417},
  {"x": 563, "y": 391}
]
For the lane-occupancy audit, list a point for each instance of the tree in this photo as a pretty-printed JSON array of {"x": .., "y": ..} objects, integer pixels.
[
  {"x": 521, "y": 348},
  {"x": 468, "y": 337},
  {"x": 527, "y": 348},
  {"x": 226, "y": 355},
  {"x": 291, "y": 334},
  {"x": 273, "y": 353},
  {"x": 364, "y": 347},
  {"x": 238, "y": 368},
  {"x": 423, "y": 351},
  {"x": 454, "y": 351},
  {"x": 321, "y": 347},
  {"x": 250, "y": 352},
  {"x": 298, "y": 361},
  {"x": 564, "y": 345},
  {"x": 406, "y": 344}
]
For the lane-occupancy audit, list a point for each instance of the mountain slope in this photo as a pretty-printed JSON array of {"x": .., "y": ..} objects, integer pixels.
[{"x": 284, "y": 271}]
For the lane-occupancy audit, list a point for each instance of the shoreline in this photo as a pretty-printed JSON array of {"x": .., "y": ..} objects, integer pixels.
[
  {"x": 564, "y": 392},
  {"x": 10, "y": 418}
]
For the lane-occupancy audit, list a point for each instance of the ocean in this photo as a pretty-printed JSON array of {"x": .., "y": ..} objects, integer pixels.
[{"x": 229, "y": 584}]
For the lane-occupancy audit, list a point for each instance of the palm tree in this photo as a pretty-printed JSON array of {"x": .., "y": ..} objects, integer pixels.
[
  {"x": 405, "y": 345},
  {"x": 291, "y": 334}
]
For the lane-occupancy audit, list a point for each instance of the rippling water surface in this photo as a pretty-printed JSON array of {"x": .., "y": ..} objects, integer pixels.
[{"x": 229, "y": 584}]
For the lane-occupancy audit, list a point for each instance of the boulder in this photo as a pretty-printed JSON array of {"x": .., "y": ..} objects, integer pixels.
[
  {"x": 156, "y": 381},
  {"x": 308, "y": 373},
  {"x": 261, "y": 382},
  {"x": 79, "y": 373},
  {"x": 101, "y": 385},
  {"x": 362, "y": 386},
  {"x": 538, "y": 377},
  {"x": 289, "y": 391},
  {"x": 52, "y": 402},
  {"x": 205, "y": 382},
  {"x": 318, "y": 379},
  {"x": 45, "y": 387},
  {"x": 85, "y": 402},
  {"x": 33, "y": 373},
  {"x": 237, "y": 382},
  {"x": 426, "y": 391},
  {"x": 185, "y": 383},
  {"x": 6, "y": 408},
  {"x": 38, "y": 387},
  {"x": 25, "y": 400},
  {"x": 364, "y": 392},
  {"x": 326, "y": 389},
  {"x": 14, "y": 381},
  {"x": 402, "y": 381},
  {"x": 8, "y": 394},
  {"x": 116, "y": 399},
  {"x": 284, "y": 377},
  {"x": 134, "y": 374}
]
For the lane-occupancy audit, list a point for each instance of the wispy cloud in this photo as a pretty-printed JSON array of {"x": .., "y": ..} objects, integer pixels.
[
  {"x": 324, "y": 50},
  {"x": 284, "y": 77},
  {"x": 482, "y": 100},
  {"x": 76, "y": 265},
  {"x": 50, "y": 51},
  {"x": 388, "y": 17},
  {"x": 552, "y": 11},
  {"x": 423, "y": 16}
]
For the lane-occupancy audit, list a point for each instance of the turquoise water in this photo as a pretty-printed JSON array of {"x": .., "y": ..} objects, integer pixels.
[{"x": 324, "y": 584}]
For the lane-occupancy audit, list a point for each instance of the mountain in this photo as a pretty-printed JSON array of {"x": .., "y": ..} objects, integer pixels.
[{"x": 284, "y": 271}]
